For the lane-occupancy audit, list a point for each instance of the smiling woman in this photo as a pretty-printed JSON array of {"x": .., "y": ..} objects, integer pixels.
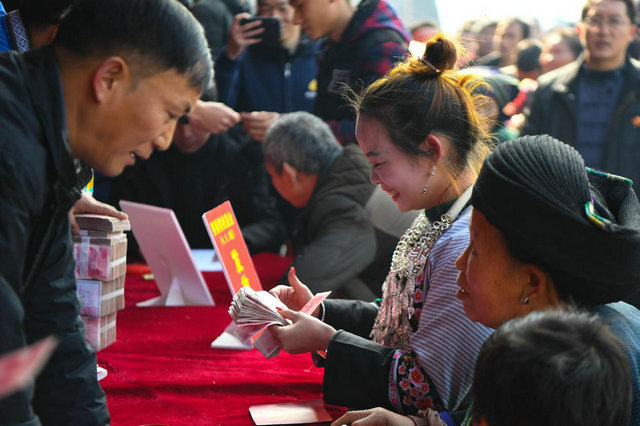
[{"x": 423, "y": 136}]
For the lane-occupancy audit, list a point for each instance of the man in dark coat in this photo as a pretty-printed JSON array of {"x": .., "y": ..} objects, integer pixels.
[
  {"x": 198, "y": 172},
  {"x": 593, "y": 103},
  {"x": 343, "y": 237},
  {"x": 108, "y": 90}
]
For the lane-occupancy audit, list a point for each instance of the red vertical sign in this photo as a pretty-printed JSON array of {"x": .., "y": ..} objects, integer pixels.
[{"x": 227, "y": 239}]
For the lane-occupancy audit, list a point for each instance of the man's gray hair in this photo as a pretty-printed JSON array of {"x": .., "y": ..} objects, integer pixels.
[{"x": 302, "y": 140}]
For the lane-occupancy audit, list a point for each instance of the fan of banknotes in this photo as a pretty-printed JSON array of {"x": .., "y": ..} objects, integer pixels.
[{"x": 254, "y": 310}]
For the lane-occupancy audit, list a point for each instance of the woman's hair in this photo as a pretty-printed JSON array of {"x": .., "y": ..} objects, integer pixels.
[
  {"x": 552, "y": 368},
  {"x": 423, "y": 96}
]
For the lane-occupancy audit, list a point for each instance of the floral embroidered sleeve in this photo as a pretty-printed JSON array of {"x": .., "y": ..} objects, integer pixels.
[{"x": 410, "y": 388}]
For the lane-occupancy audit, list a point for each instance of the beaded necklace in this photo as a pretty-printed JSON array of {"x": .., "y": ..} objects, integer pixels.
[{"x": 392, "y": 326}]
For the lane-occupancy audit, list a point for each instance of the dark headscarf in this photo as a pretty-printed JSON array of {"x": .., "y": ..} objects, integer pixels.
[{"x": 536, "y": 191}]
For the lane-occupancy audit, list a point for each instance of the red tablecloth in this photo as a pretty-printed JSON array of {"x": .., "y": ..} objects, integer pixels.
[{"x": 161, "y": 369}]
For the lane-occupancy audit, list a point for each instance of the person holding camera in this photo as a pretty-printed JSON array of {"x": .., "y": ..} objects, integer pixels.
[{"x": 267, "y": 68}]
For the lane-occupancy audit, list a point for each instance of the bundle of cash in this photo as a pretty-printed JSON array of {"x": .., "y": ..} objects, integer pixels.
[
  {"x": 100, "y": 332},
  {"x": 254, "y": 310},
  {"x": 100, "y": 298},
  {"x": 100, "y": 252}
]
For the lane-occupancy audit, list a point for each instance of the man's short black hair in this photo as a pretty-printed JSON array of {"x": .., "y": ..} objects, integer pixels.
[
  {"x": 42, "y": 13},
  {"x": 632, "y": 9},
  {"x": 151, "y": 35},
  {"x": 553, "y": 368},
  {"x": 569, "y": 36},
  {"x": 528, "y": 56}
]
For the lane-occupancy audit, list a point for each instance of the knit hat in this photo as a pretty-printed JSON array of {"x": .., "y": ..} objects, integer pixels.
[{"x": 580, "y": 224}]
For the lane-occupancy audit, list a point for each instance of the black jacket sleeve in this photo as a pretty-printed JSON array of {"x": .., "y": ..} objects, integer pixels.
[
  {"x": 15, "y": 408},
  {"x": 15, "y": 209},
  {"x": 356, "y": 373},
  {"x": 354, "y": 316}
]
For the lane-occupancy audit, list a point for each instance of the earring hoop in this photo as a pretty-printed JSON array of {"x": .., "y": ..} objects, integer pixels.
[{"x": 524, "y": 300}]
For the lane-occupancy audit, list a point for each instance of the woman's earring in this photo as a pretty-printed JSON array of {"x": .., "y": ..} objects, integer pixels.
[
  {"x": 524, "y": 300},
  {"x": 433, "y": 172}
]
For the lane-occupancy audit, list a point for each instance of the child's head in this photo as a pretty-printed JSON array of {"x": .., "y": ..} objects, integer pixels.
[{"x": 552, "y": 368}]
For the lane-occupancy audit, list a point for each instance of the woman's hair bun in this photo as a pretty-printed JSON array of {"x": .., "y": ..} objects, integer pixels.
[{"x": 440, "y": 54}]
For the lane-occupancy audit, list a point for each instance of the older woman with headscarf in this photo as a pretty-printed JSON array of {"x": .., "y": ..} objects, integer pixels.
[{"x": 544, "y": 232}]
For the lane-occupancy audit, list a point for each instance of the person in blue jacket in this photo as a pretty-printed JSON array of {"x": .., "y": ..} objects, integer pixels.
[
  {"x": 261, "y": 80},
  {"x": 4, "y": 39}
]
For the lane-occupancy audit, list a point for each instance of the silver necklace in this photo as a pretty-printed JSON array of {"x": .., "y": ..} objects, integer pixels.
[{"x": 392, "y": 327}]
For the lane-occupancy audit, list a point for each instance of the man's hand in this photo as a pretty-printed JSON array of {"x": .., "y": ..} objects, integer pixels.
[
  {"x": 305, "y": 334},
  {"x": 241, "y": 36},
  {"x": 257, "y": 123},
  {"x": 213, "y": 117},
  {"x": 88, "y": 204}
]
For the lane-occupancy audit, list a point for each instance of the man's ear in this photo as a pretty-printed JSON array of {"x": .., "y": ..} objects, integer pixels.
[
  {"x": 432, "y": 144},
  {"x": 580, "y": 29},
  {"x": 634, "y": 31},
  {"x": 481, "y": 422},
  {"x": 54, "y": 32},
  {"x": 290, "y": 172},
  {"x": 111, "y": 74}
]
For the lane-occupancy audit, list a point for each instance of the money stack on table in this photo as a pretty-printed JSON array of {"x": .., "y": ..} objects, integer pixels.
[{"x": 100, "y": 251}]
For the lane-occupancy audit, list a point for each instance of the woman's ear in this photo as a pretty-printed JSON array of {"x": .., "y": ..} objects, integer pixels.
[
  {"x": 433, "y": 145},
  {"x": 540, "y": 290}
]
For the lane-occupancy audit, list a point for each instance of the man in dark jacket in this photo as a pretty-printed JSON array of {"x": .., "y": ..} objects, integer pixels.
[
  {"x": 263, "y": 79},
  {"x": 198, "y": 172},
  {"x": 108, "y": 89},
  {"x": 337, "y": 245},
  {"x": 361, "y": 44},
  {"x": 593, "y": 103}
]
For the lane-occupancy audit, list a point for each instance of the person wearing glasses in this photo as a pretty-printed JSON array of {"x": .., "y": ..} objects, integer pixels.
[{"x": 593, "y": 103}]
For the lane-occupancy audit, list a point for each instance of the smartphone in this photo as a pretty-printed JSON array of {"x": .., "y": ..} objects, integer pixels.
[{"x": 271, "y": 34}]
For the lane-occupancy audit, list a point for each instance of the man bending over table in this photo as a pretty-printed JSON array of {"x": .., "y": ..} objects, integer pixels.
[{"x": 106, "y": 92}]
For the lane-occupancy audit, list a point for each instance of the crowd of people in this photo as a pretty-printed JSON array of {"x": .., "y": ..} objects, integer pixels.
[{"x": 470, "y": 202}]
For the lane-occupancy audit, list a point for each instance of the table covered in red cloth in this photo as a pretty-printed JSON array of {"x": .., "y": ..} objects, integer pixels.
[{"x": 162, "y": 370}]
